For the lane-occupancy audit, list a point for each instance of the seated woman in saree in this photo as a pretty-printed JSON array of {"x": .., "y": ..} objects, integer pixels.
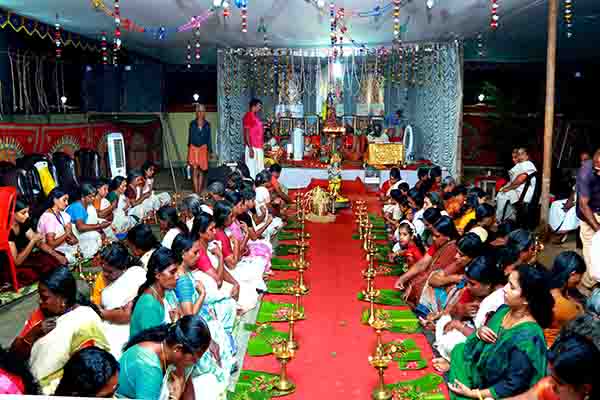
[
  {"x": 23, "y": 240},
  {"x": 121, "y": 220},
  {"x": 87, "y": 228},
  {"x": 91, "y": 372},
  {"x": 190, "y": 298},
  {"x": 64, "y": 323},
  {"x": 252, "y": 221},
  {"x": 149, "y": 169},
  {"x": 190, "y": 207},
  {"x": 446, "y": 281},
  {"x": 170, "y": 225},
  {"x": 430, "y": 217},
  {"x": 140, "y": 203},
  {"x": 470, "y": 307},
  {"x": 566, "y": 273},
  {"x": 237, "y": 229},
  {"x": 485, "y": 217},
  {"x": 15, "y": 376},
  {"x": 114, "y": 290},
  {"x": 104, "y": 208},
  {"x": 55, "y": 226},
  {"x": 210, "y": 264},
  {"x": 572, "y": 363},
  {"x": 154, "y": 361},
  {"x": 150, "y": 307},
  {"x": 507, "y": 356},
  {"x": 142, "y": 242},
  {"x": 523, "y": 242},
  {"x": 441, "y": 253},
  {"x": 263, "y": 206},
  {"x": 244, "y": 268}
]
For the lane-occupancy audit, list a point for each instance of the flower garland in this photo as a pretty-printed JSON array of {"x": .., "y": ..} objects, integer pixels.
[{"x": 495, "y": 18}]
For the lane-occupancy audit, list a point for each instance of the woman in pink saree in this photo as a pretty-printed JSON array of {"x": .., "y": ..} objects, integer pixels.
[{"x": 258, "y": 248}]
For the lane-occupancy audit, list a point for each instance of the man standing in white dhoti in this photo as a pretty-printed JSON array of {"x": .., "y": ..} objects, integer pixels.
[
  {"x": 511, "y": 193},
  {"x": 254, "y": 139}
]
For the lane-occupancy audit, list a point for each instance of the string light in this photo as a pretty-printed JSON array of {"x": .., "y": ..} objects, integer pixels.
[
  {"x": 340, "y": 22},
  {"x": 397, "y": 20},
  {"x": 57, "y": 39},
  {"x": 333, "y": 26},
  {"x": 568, "y": 17},
  {"x": 495, "y": 18},
  {"x": 104, "y": 48},
  {"x": 117, "y": 38},
  {"x": 480, "y": 45},
  {"x": 244, "y": 16}
]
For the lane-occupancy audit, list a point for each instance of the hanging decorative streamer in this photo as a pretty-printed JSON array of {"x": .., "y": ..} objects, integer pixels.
[
  {"x": 197, "y": 44},
  {"x": 263, "y": 29},
  {"x": 480, "y": 45},
  {"x": 57, "y": 38},
  {"x": 568, "y": 17},
  {"x": 117, "y": 38},
  {"x": 397, "y": 21},
  {"x": 333, "y": 28},
  {"x": 495, "y": 18},
  {"x": 188, "y": 56},
  {"x": 225, "y": 10},
  {"x": 340, "y": 22},
  {"x": 244, "y": 16},
  {"x": 104, "y": 49}
]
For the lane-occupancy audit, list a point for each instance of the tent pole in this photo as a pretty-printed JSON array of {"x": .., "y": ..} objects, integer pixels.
[{"x": 549, "y": 112}]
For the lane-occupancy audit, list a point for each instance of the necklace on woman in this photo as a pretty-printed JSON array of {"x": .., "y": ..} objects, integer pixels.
[{"x": 158, "y": 296}]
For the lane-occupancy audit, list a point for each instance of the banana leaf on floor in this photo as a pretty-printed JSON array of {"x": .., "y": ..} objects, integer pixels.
[
  {"x": 255, "y": 385},
  {"x": 387, "y": 269},
  {"x": 426, "y": 387},
  {"x": 263, "y": 338},
  {"x": 292, "y": 226},
  {"x": 282, "y": 264},
  {"x": 399, "y": 321},
  {"x": 275, "y": 312},
  {"x": 283, "y": 286},
  {"x": 406, "y": 353},
  {"x": 285, "y": 235},
  {"x": 376, "y": 235},
  {"x": 388, "y": 297},
  {"x": 284, "y": 249}
]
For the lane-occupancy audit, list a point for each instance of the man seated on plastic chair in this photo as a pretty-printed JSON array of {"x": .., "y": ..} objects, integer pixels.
[{"x": 511, "y": 192}]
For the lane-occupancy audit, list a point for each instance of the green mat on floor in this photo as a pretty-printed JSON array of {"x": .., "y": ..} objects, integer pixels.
[
  {"x": 275, "y": 312},
  {"x": 400, "y": 321},
  {"x": 262, "y": 339},
  {"x": 292, "y": 226},
  {"x": 255, "y": 385},
  {"x": 286, "y": 235},
  {"x": 388, "y": 297},
  {"x": 426, "y": 387},
  {"x": 284, "y": 249},
  {"x": 283, "y": 286},
  {"x": 387, "y": 269},
  {"x": 282, "y": 264}
]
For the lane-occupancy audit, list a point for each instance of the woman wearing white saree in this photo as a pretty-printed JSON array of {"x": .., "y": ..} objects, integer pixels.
[
  {"x": 140, "y": 203},
  {"x": 262, "y": 204},
  {"x": 511, "y": 193},
  {"x": 63, "y": 324},
  {"x": 149, "y": 169},
  {"x": 113, "y": 292},
  {"x": 121, "y": 221},
  {"x": 244, "y": 268},
  {"x": 86, "y": 226}
]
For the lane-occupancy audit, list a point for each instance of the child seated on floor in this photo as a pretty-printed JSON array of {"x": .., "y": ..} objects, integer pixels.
[
  {"x": 263, "y": 205},
  {"x": 407, "y": 244},
  {"x": 400, "y": 210}
]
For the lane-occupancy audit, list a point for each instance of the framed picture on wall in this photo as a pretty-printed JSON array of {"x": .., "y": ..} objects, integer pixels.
[
  {"x": 377, "y": 120},
  {"x": 285, "y": 126},
  {"x": 312, "y": 125},
  {"x": 362, "y": 124}
]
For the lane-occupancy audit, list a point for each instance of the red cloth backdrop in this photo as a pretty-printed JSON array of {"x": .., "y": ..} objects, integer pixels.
[{"x": 140, "y": 140}]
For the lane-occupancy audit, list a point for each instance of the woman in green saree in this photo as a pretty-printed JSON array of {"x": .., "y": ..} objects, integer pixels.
[{"x": 508, "y": 355}]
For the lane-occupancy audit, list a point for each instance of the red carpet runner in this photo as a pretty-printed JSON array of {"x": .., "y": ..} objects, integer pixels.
[{"x": 332, "y": 359}]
